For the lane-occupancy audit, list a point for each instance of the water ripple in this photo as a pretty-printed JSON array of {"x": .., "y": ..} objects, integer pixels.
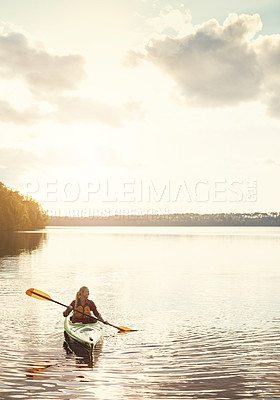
[{"x": 207, "y": 329}]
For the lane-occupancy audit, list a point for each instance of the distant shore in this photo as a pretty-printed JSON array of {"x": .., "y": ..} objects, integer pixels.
[{"x": 189, "y": 219}]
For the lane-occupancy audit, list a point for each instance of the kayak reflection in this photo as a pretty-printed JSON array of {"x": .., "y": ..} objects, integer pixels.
[{"x": 82, "y": 355}]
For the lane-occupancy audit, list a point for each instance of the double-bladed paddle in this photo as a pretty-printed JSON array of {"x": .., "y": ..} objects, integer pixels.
[{"x": 38, "y": 294}]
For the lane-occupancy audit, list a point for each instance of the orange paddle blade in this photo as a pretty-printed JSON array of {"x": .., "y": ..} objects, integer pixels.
[
  {"x": 123, "y": 329},
  {"x": 37, "y": 294}
]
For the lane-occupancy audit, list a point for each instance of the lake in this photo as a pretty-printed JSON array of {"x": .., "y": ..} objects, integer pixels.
[{"x": 205, "y": 302}]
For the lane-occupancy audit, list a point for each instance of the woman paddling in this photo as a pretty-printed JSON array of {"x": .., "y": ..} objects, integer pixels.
[{"x": 83, "y": 304}]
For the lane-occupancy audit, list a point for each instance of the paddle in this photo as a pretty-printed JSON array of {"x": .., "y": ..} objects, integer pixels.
[{"x": 37, "y": 294}]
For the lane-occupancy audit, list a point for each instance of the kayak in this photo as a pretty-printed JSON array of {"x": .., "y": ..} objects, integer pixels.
[{"x": 87, "y": 335}]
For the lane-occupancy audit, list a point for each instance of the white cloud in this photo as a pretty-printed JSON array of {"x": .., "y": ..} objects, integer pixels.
[
  {"x": 39, "y": 69},
  {"x": 42, "y": 80},
  {"x": 268, "y": 51},
  {"x": 272, "y": 162},
  {"x": 69, "y": 109},
  {"x": 133, "y": 59},
  {"x": 221, "y": 65},
  {"x": 86, "y": 110},
  {"x": 214, "y": 66},
  {"x": 171, "y": 21},
  {"x": 27, "y": 116}
]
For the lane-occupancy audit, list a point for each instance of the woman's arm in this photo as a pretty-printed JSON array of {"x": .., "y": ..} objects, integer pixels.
[
  {"x": 67, "y": 311},
  {"x": 95, "y": 312}
]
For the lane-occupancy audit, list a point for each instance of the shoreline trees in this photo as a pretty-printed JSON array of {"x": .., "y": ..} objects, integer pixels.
[
  {"x": 18, "y": 212},
  {"x": 188, "y": 219}
]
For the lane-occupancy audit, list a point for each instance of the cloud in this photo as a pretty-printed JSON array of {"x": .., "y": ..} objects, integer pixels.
[
  {"x": 219, "y": 65},
  {"x": 27, "y": 116},
  {"x": 272, "y": 162},
  {"x": 71, "y": 109},
  {"x": 16, "y": 162},
  {"x": 40, "y": 70},
  {"x": 216, "y": 65},
  {"x": 171, "y": 21},
  {"x": 86, "y": 110},
  {"x": 47, "y": 78},
  {"x": 268, "y": 51},
  {"x": 133, "y": 59}
]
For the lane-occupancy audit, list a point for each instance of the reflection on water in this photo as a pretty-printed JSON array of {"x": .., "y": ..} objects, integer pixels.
[
  {"x": 14, "y": 243},
  {"x": 82, "y": 356},
  {"x": 205, "y": 302},
  {"x": 34, "y": 371}
]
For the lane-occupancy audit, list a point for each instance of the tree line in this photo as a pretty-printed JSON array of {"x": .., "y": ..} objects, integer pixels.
[
  {"x": 18, "y": 212},
  {"x": 188, "y": 219}
]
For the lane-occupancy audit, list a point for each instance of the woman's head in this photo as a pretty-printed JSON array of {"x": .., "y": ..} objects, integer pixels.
[{"x": 82, "y": 292}]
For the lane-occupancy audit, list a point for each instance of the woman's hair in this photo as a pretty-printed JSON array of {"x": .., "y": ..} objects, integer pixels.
[{"x": 78, "y": 295}]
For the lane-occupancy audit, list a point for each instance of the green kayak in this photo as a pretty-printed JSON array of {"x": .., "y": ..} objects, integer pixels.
[{"x": 87, "y": 335}]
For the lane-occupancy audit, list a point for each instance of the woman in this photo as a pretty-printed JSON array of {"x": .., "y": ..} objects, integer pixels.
[{"x": 83, "y": 304}]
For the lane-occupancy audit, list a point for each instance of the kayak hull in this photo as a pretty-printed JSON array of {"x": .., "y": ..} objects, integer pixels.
[{"x": 87, "y": 335}]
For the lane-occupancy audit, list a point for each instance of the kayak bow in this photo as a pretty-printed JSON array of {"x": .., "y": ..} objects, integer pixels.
[{"x": 87, "y": 335}]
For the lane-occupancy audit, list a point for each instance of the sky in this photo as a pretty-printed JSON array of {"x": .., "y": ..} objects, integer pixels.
[{"x": 141, "y": 106}]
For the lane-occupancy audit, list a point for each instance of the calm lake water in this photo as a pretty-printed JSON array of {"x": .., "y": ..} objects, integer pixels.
[{"x": 205, "y": 301}]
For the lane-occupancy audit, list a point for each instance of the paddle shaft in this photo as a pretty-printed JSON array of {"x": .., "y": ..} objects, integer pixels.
[
  {"x": 114, "y": 326},
  {"x": 74, "y": 309}
]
